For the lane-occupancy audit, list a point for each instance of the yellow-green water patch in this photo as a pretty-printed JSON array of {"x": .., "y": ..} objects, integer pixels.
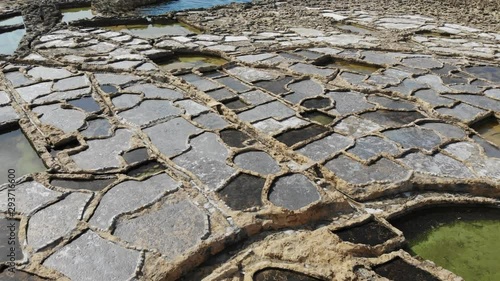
[
  {"x": 489, "y": 129},
  {"x": 319, "y": 117},
  {"x": 463, "y": 240},
  {"x": 17, "y": 153},
  {"x": 359, "y": 67},
  {"x": 74, "y": 14}
]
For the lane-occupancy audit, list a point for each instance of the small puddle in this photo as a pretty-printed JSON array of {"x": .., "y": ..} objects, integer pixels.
[
  {"x": 235, "y": 104},
  {"x": 319, "y": 102},
  {"x": 275, "y": 274},
  {"x": 371, "y": 233},
  {"x": 428, "y": 33},
  {"x": 155, "y": 30},
  {"x": 297, "y": 135},
  {"x": 277, "y": 87},
  {"x": 17, "y": 153},
  {"x": 491, "y": 73},
  {"x": 190, "y": 61},
  {"x": 74, "y": 14},
  {"x": 359, "y": 67},
  {"x": 136, "y": 155},
  {"x": 319, "y": 117},
  {"x": 178, "y": 5},
  {"x": 398, "y": 269},
  {"x": 9, "y": 41},
  {"x": 109, "y": 89},
  {"x": 356, "y": 28},
  {"x": 489, "y": 129},
  {"x": 86, "y": 103},
  {"x": 462, "y": 239},
  {"x": 234, "y": 138},
  {"x": 12, "y": 21},
  {"x": 243, "y": 192},
  {"x": 147, "y": 169},
  {"x": 92, "y": 185}
]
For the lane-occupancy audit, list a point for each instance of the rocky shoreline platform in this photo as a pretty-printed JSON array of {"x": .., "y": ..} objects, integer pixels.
[{"x": 268, "y": 140}]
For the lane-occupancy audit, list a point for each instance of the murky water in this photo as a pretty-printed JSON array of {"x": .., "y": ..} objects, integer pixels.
[
  {"x": 356, "y": 28},
  {"x": 191, "y": 61},
  {"x": 489, "y": 129},
  {"x": 461, "y": 239},
  {"x": 318, "y": 117},
  {"x": 9, "y": 41},
  {"x": 359, "y": 67},
  {"x": 178, "y": 5},
  {"x": 12, "y": 21},
  {"x": 75, "y": 14},
  {"x": 17, "y": 153}
]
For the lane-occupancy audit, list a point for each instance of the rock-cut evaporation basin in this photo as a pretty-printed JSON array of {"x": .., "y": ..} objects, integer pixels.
[
  {"x": 489, "y": 129},
  {"x": 178, "y": 5},
  {"x": 155, "y": 30},
  {"x": 461, "y": 239},
  {"x": 359, "y": 67},
  {"x": 9, "y": 40},
  {"x": 74, "y": 14},
  {"x": 17, "y": 153}
]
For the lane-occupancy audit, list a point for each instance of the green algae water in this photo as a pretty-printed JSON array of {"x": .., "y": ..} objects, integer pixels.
[
  {"x": 464, "y": 240},
  {"x": 17, "y": 153}
]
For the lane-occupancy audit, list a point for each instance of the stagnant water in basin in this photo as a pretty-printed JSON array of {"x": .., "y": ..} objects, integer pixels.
[
  {"x": 17, "y": 153},
  {"x": 74, "y": 14},
  {"x": 178, "y": 5},
  {"x": 461, "y": 239},
  {"x": 12, "y": 21},
  {"x": 489, "y": 129},
  {"x": 9, "y": 41}
]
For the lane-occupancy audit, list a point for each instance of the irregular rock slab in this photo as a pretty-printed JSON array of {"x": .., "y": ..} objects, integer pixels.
[
  {"x": 414, "y": 137},
  {"x": 464, "y": 112},
  {"x": 54, "y": 222},
  {"x": 349, "y": 102},
  {"x": 249, "y": 74},
  {"x": 172, "y": 230},
  {"x": 372, "y": 146},
  {"x": 103, "y": 154},
  {"x": 309, "y": 87},
  {"x": 272, "y": 127},
  {"x": 311, "y": 70},
  {"x": 447, "y": 130},
  {"x": 90, "y": 258},
  {"x": 257, "y": 161},
  {"x": 392, "y": 118},
  {"x": 471, "y": 153},
  {"x": 211, "y": 121},
  {"x": 325, "y": 147},
  {"x": 207, "y": 160},
  {"x": 192, "y": 108},
  {"x": 438, "y": 164},
  {"x": 48, "y": 73},
  {"x": 153, "y": 92},
  {"x": 8, "y": 115},
  {"x": 71, "y": 83},
  {"x": 4, "y": 98},
  {"x": 129, "y": 196},
  {"x": 100, "y": 127},
  {"x": 126, "y": 101},
  {"x": 68, "y": 120},
  {"x": 432, "y": 97},
  {"x": 354, "y": 172},
  {"x": 29, "y": 93},
  {"x": 171, "y": 137},
  {"x": 295, "y": 136},
  {"x": 356, "y": 127},
  {"x": 479, "y": 101},
  {"x": 114, "y": 79},
  {"x": 273, "y": 109},
  {"x": 243, "y": 192},
  {"x": 30, "y": 196},
  {"x": 392, "y": 104},
  {"x": 150, "y": 111},
  {"x": 293, "y": 192}
]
